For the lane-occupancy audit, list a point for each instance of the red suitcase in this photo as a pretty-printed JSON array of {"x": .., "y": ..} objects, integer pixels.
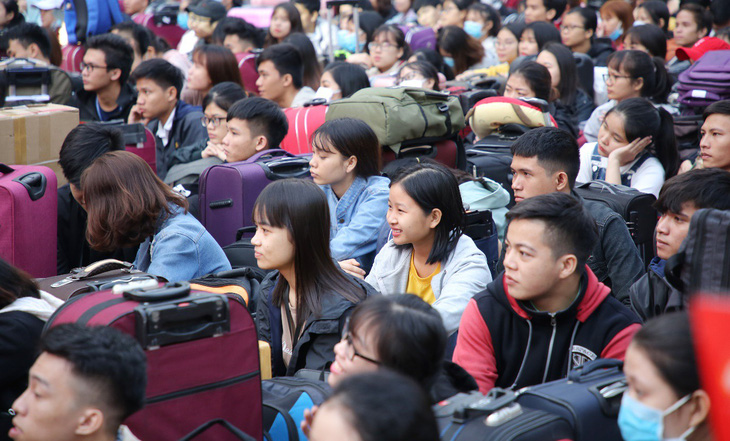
[
  {"x": 303, "y": 121},
  {"x": 28, "y": 216},
  {"x": 202, "y": 357}
]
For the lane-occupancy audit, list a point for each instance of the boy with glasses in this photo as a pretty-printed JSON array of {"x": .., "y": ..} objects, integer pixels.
[
  {"x": 174, "y": 122},
  {"x": 578, "y": 32},
  {"x": 106, "y": 95}
]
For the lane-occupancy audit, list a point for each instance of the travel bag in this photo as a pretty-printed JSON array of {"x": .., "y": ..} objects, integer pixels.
[
  {"x": 228, "y": 191},
  {"x": 706, "y": 81},
  {"x": 303, "y": 121},
  {"x": 239, "y": 434},
  {"x": 86, "y": 18},
  {"x": 26, "y": 81},
  {"x": 240, "y": 253},
  {"x": 703, "y": 260},
  {"x": 28, "y": 216},
  {"x": 243, "y": 282},
  {"x": 285, "y": 399},
  {"x": 138, "y": 140},
  {"x": 419, "y": 37},
  {"x": 634, "y": 206},
  {"x": 398, "y": 114},
  {"x": 589, "y": 399},
  {"x": 98, "y": 276},
  {"x": 475, "y": 417},
  {"x": 449, "y": 152},
  {"x": 202, "y": 356}
]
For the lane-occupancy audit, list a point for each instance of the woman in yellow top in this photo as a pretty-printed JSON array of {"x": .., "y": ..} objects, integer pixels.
[{"x": 429, "y": 255}]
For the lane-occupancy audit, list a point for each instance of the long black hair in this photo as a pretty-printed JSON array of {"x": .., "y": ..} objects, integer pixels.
[
  {"x": 568, "y": 87},
  {"x": 651, "y": 37},
  {"x": 300, "y": 206},
  {"x": 637, "y": 64},
  {"x": 349, "y": 76},
  {"x": 351, "y": 137},
  {"x": 642, "y": 119},
  {"x": 538, "y": 77},
  {"x": 224, "y": 95},
  {"x": 434, "y": 186}
]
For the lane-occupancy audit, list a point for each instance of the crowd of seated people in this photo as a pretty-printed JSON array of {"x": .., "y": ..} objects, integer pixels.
[{"x": 373, "y": 277}]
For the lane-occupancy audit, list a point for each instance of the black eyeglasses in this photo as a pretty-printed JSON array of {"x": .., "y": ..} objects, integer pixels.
[
  {"x": 91, "y": 67},
  {"x": 216, "y": 121},
  {"x": 351, "y": 352}
]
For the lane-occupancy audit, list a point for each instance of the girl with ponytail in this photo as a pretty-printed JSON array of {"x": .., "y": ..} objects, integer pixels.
[
  {"x": 631, "y": 74},
  {"x": 636, "y": 147}
]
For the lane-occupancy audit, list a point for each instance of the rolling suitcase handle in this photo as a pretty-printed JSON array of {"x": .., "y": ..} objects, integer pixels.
[
  {"x": 34, "y": 182},
  {"x": 93, "y": 270},
  {"x": 286, "y": 168},
  {"x": 168, "y": 292},
  {"x": 228, "y": 426},
  {"x": 579, "y": 374}
]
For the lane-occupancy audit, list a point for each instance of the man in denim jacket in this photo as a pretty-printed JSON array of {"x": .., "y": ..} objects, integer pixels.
[{"x": 546, "y": 160}]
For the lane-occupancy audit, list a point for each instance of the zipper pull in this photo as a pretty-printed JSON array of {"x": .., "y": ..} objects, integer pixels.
[{"x": 553, "y": 322}]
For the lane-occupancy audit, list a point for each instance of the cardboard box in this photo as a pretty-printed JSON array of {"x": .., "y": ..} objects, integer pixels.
[{"x": 33, "y": 134}]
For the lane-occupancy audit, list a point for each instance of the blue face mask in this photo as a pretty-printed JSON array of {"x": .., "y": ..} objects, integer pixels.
[
  {"x": 473, "y": 28},
  {"x": 182, "y": 20},
  {"x": 639, "y": 422},
  {"x": 449, "y": 62},
  {"x": 615, "y": 34},
  {"x": 347, "y": 41}
]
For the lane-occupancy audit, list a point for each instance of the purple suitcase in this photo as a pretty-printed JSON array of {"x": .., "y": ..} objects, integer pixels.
[
  {"x": 706, "y": 81},
  {"x": 28, "y": 216},
  {"x": 228, "y": 191}
]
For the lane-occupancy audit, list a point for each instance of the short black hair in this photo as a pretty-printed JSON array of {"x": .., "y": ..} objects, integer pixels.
[
  {"x": 433, "y": 186},
  {"x": 489, "y": 14},
  {"x": 418, "y": 4},
  {"x": 118, "y": 54},
  {"x": 162, "y": 72},
  {"x": 720, "y": 13},
  {"x": 718, "y": 107},
  {"x": 650, "y": 36},
  {"x": 111, "y": 362},
  {"x": 350, "y": 137},
  {"x": 569, "y": 227},
  {"x": 590, "y": 19},
  {"x": 83, "y": 145},
  {"x": 140, "y": 34},
  {"x": 543, "y": 32},
  {"x": 311, "y": 5},
  {"x": 557, "y": 5},
  {"x": 224, "y": 95},
  {"x": 286, "y": 59},
  {"x": 537, "y": 77},
  {"x": 657, "y": 10},
  {"x": 556, "y": 151},
  {"x": 704, "y": 188},
  {"x": 241, "y": 28},
  {"x": 263, "y": 117},
  {"x": 349, "y": 77},
  {"x": 370, "y": 401},
  {"x": 30, "y": 33}
]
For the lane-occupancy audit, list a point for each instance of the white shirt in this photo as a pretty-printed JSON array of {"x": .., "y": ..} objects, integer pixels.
[
  {"x": 649, "y": 178},
  {"x": 163, "y": 131}
]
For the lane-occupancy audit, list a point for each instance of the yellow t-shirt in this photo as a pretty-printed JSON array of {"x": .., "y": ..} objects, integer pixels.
[{"x": 421, "y": 286}]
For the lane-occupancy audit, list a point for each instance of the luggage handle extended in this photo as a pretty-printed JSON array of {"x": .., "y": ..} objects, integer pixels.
[
  {"x": 240, "y": 434},
  {"x": 168, "y": 292}
]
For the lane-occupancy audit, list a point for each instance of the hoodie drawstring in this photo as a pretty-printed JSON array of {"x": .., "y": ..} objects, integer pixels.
[
  {"x": 570, "y": 348},
  {"x": 527, "y": 353}
]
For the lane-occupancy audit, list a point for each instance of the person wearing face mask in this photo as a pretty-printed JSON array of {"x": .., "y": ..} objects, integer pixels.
[
  {"x": 460, "y": 51},
  {"x": 340, "y": 80},
  {"x": 616, "y": 17},
  {"x": 664, "y": 400},
  {"x": 346, "y": 40},
  {"x": 483, "y": 23},
  {"x": 418, "y": 74}
]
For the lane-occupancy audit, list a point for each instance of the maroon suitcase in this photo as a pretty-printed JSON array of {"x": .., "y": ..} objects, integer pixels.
[
  {"x": 228, "y": 191},
  {"x": 28, "y": 217},
  {"x": 202, "y": 357}
]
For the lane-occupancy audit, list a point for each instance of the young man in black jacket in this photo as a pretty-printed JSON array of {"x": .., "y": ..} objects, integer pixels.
[
  {"x": 174, "y": 122},
  {"x": 545, "y": 160},
  {"x": 680, "y": 197},
  {"x": 106, "y": 95},
  {"x": 546, "y": 313}
]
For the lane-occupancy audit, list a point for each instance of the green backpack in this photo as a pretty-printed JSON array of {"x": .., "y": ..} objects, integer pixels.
[{"x": 398, "y": 114}]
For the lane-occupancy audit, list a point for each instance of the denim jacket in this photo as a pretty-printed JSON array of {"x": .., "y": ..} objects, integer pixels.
[
  {"x": 181, "y": 249},
  {"x": 356, "y": 218}
]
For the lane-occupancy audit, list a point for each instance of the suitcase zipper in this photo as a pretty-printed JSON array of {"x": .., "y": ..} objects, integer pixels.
[
  {"x": 512, "y": 433},
  {"x": 202, "y": 388},
  {"x": 697, "y": 262}
]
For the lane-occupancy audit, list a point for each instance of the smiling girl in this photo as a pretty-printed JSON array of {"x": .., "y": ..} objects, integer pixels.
[{"x": 429, "y": 255}]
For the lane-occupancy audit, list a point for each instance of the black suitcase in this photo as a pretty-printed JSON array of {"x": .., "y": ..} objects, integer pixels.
[
  {"x": 589, "y": 399},
  {"x": 634, "y": 206},
  {"x": 474, "y": 417},
  {"x": 240, "y": 253}
]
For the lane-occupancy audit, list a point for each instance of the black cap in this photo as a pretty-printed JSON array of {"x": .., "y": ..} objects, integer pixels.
[{"x": 208, "y": 8}]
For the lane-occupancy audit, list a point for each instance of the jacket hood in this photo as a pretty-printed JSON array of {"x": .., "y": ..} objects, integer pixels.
[
  {"x": 183, "y": 108},
  {"x": 484, "y": 192},
  {"x": 592, "y": 294},
  {"x": 599, "y": 46}
]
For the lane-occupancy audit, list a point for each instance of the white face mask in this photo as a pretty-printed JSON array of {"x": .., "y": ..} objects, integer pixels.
[
  {"x": 325, "y": 93},
  {"x": 638, "y": 23},
  {"x": 412, "y": 83}
]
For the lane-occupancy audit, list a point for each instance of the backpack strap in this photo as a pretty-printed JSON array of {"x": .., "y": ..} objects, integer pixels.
[
  {"x": 629, "y": 175},
  {"x": 598, "y": 173}
]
